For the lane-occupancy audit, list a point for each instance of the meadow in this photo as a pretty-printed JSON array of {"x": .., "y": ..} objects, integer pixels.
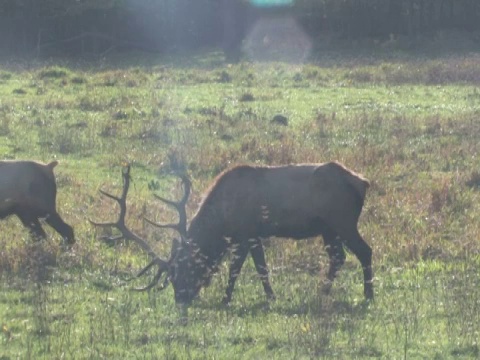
[{"x": 409, "y": 124}]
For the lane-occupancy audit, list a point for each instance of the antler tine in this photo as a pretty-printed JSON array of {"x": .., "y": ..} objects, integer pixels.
[
  {"x": 122, "y": 202},
  {"x": 161, "y": 268},
  {"x": 128, "y": 234},
  {"x": 110, "y": 224},
  {"x": 180, "y": 206},
  {"x": 163, "y": 226},
  {"x": 156, "y": 278},
  {"x": 116, "y": 198},
  {"x": 187, "y": 185}
]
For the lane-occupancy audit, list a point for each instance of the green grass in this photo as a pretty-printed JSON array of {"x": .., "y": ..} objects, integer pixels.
[{"x": 410, "y": 126}]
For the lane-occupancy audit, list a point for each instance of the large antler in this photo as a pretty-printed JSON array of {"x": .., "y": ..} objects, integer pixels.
[
  {"x": 127, "y": 234},
  {"x": 180, "y": 206}
]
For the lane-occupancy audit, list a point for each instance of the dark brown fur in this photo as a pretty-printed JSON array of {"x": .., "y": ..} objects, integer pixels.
[
  {"x": 28, "y": 190},
  {"x": 247, "y": 203}
]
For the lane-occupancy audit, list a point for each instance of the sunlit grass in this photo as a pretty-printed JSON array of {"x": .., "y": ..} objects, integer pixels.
[{"x": 410, "y": 127}]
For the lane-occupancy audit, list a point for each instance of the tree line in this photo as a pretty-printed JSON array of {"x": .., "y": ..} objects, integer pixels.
[{"x": 82, "y": 27}]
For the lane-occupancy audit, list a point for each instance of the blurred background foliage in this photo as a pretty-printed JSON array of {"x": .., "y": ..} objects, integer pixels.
[{"x": 96, "y": 27}]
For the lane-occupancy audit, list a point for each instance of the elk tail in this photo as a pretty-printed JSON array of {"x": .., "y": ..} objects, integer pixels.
[{"x": 52, "y": 164}]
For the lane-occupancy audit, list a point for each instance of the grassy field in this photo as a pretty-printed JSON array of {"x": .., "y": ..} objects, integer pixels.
[{"x": 411, "y": 126}]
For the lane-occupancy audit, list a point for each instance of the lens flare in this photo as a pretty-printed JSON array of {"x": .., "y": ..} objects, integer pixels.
[
  {"x": 271, "y": 3},
  {"x": 278, "y": 38}
]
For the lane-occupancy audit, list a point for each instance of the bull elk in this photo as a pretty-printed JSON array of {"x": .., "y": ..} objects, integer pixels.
[
  {"x": 248, "y": 203},
  {"x": 28, "y": 190}
]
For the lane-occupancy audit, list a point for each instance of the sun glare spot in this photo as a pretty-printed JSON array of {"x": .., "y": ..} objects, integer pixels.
[
  {"x": 271, "y": 3},
  {"x": 277, "y": 39}
]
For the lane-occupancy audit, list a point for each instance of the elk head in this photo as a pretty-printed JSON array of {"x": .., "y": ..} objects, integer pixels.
[{"x": 188, "y": 272}]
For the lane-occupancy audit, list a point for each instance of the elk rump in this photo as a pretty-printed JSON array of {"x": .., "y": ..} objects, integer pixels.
[{"x": 28, "y": 190}]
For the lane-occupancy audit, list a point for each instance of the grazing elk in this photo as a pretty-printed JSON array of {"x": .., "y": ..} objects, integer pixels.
[
  {"x": 247, "y": 203},
  {"x": 28, "y": 190}
]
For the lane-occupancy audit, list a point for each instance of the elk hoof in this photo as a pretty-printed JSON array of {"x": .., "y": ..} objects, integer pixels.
[
  {"x": 271, "y": 297},
  {"x": 327, "y": 287},
  {"x": 183, "y": 314},
  {"x": 226, "y": 300},
  {"x": 183, "y": 321}
]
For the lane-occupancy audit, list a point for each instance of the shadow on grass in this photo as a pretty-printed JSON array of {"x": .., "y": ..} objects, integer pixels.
[
  {"x": 325, "y": 305},
  {"x": 316, "y": 307}
]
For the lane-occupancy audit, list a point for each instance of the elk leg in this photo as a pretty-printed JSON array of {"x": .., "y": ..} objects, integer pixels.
[
  {"x": 363, "y": 252},
  {"x": 240, "y": 253},
  {"x": 258, "y": 255},
  {"x": 65, "y": 230},
  {"x": 336, "y": 253},
  {"x": 33, "y": 224}
]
